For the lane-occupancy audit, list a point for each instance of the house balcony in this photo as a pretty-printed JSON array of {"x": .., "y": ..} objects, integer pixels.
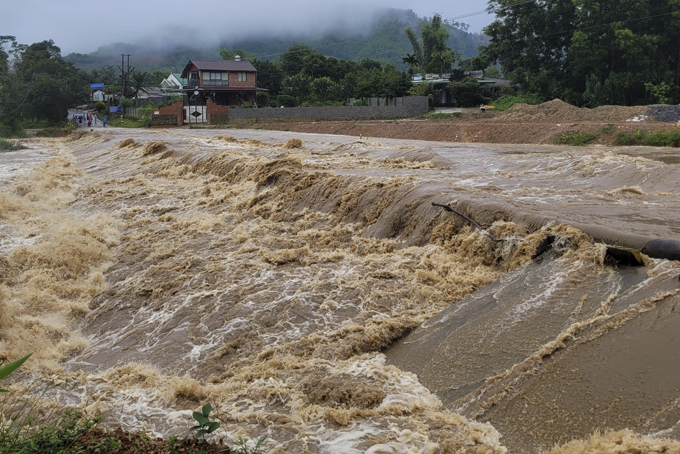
[{"x": 215, "y": 83}]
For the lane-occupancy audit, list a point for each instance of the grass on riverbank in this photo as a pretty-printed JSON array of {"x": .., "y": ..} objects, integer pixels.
[
  {"x": 581, "y": 138},
  {"x": 639, "y": 137},
  {"x": 651, "y": 139},
  {"x": 8, "y": 145},
  {"x": 75, "y": 432}
]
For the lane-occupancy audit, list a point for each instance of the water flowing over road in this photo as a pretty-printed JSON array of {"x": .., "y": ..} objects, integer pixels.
[{"x": 310, "y": 291}]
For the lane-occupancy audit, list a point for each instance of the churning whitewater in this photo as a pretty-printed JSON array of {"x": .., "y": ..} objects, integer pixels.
[{"x": 307, "y": 288}]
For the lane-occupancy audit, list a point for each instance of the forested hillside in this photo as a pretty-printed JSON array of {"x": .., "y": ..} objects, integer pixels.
[{"x": 385, "y": 42}]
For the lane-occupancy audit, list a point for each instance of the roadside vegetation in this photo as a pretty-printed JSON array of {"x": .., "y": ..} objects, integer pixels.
[{"x": 7, "y": 145}]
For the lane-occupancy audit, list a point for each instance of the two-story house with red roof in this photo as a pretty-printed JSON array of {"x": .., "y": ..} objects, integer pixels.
[{"x": 226, "y": 82}]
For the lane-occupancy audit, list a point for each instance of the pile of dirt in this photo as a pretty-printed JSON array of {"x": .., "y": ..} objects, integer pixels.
[
  {"x": 557, "y": 110},
  {"x": 538, "y": 132}
]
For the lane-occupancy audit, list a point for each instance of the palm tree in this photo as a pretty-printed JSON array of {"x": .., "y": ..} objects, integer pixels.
[
  {"x": 140, "y": 82},
  {"x": 412, "y": 61},
  {"x": 432, "y": 51}
]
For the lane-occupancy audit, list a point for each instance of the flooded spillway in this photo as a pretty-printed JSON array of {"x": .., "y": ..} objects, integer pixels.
[
  {"x": 562, "y": 345},
  {"x": 155, "y": 271}
]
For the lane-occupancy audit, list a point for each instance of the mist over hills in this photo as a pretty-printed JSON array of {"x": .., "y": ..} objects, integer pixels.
[{"x": 381, "y": 39}]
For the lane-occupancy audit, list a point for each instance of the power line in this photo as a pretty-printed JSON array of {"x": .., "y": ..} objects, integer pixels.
[{"x": 25, "y": 97}]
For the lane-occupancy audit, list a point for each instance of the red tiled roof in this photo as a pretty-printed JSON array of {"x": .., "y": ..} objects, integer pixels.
[{"x": 219, "y": 65}]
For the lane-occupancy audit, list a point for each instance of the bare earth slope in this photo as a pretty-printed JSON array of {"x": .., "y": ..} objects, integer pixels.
[{"x": 522, "y": 123}]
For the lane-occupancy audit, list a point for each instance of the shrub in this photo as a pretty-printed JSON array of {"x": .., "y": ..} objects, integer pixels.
[
  {"x": 652, "y": 139},
  {"x": 147, "y": 113},
  {"x": 576, "y": 138},
  {"x": 124, "y": 102},
  {"x": 262, "y": 98},
  {"x": 12, "y": 128},
  {"x": 59, "y": 436},
  {"x": 286, "y": 101},
  {"x": 466, "y": 92},
  {"x": 6, "y": 145},
  {"x": 172, "y": 99},
  {"x": 99, "y": 106},
  {"x": 507, "y": 101}
]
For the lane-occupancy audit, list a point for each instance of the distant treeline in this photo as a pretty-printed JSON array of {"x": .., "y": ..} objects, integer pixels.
[
  {"x": 589, "y": 53},
  {"x": 305, "y": 77}
]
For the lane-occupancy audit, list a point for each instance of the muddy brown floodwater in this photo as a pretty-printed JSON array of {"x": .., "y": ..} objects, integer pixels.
[{"x": 310, "y": 292}]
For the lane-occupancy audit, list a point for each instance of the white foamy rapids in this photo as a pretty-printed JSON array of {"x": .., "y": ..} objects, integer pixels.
[{"x": 171, "y": 269}]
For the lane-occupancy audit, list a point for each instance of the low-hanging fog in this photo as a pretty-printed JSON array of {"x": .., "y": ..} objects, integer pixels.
[{"x": 82, "y": 26}]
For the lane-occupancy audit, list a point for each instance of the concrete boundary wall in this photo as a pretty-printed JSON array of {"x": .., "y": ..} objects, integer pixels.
[{"x": 411, "y": 106}]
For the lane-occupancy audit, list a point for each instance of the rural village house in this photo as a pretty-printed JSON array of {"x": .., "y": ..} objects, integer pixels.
[{"x": 226, "y": 82}]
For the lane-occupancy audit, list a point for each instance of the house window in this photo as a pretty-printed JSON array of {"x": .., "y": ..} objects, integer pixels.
[
  {"x": 215, "y": 79},
  {"x": 193, "y": 79},
  {"x": 242, "y": 77}
]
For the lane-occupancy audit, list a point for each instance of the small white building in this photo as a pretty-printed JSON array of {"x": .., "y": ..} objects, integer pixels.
[
  {"x": 98, "y": 96},
  {"x": 172, "y": 81}
]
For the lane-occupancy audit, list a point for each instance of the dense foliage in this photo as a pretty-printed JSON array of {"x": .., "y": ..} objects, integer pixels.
[
  {"x": 589, "y": 52},
  {"x": 431, "y": 54},
  {"x": 305, "y": 77},
  {"x": 36, "y": 84}
]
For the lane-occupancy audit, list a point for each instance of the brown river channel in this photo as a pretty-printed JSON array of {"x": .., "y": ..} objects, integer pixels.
[{"x": 310, "y": 291}]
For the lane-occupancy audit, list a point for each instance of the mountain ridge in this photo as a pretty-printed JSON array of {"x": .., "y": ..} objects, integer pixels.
[{"x": 384, "y": 42}]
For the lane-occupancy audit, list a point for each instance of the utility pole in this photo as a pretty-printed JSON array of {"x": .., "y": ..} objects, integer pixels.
[
  {"x": 128, "y": 66},
  {"x": 123, "y": 76},
  {"x": 125, "y": 73}
]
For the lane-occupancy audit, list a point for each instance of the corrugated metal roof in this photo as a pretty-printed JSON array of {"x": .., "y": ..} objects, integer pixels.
[{"x": 219, "y": 65}]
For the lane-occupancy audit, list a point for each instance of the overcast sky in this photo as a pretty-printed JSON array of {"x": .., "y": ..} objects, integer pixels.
[{"x": 84, "y": 25}]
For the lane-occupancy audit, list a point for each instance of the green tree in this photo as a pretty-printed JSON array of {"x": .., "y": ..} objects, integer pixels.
[
  {"x": 466, "y": 92},
  {"x": 106, "y": 75},
  {"x": 269, "y": 76},
  {"x": 297, "y": 86},
  {"x": 228, "y": 54},
  {"x": 8, "y": 44},
  {"x": 412, "y": 61},
  {"x": 293, "y": 59},
  {"x": 588, "y": 51},
  {"x": 41, "y": 85},
  {"x": 139, "y": 82},
  {"x": 325, "y": 89},
  {"x": 432, "y": 52}
]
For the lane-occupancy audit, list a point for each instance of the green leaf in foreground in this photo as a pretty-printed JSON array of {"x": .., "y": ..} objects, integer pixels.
[{"x": 11, "y": 367}]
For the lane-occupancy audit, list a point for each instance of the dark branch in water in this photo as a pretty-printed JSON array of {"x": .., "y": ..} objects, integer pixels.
[{"x": 448, "y": 208}]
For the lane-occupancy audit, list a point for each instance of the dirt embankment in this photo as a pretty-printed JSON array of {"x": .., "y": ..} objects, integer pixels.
[{"x": 541, "y": 124}]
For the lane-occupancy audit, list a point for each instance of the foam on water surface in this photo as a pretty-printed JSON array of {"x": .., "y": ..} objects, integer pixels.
[{"x": 174, "y": 269}]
